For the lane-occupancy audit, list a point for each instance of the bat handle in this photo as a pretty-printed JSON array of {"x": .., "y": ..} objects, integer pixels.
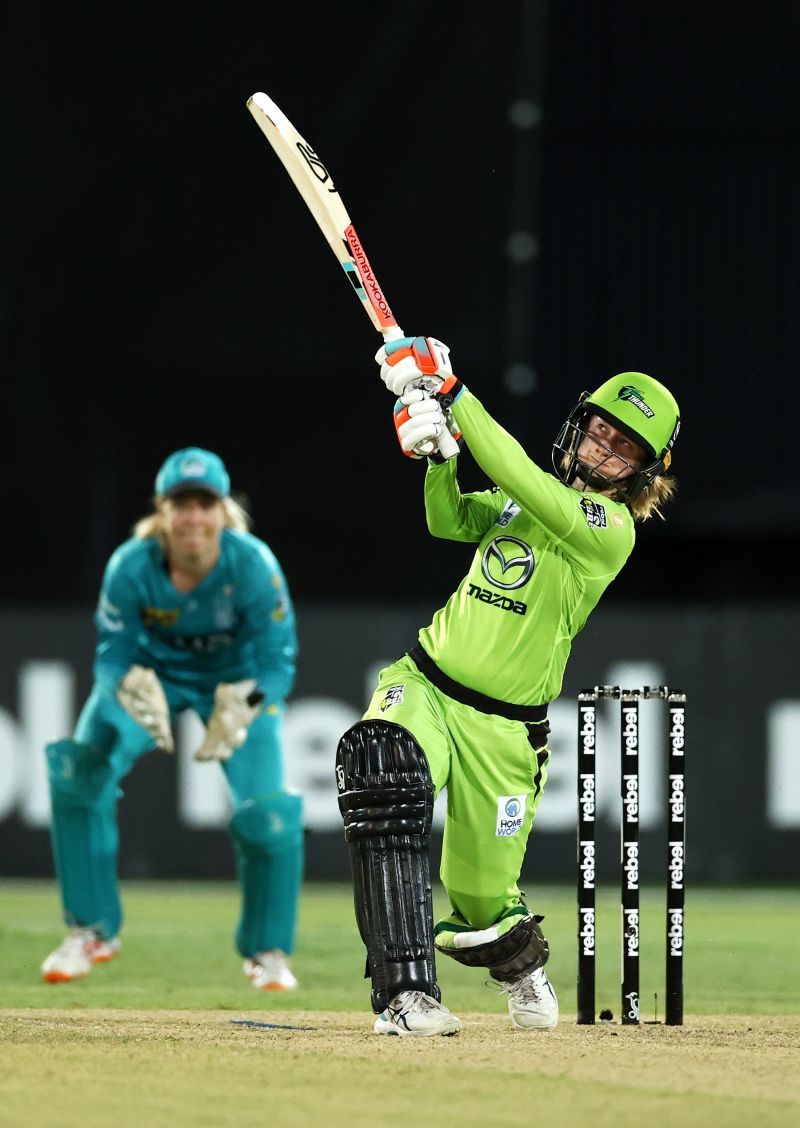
[{"x": 448, "y": 447}]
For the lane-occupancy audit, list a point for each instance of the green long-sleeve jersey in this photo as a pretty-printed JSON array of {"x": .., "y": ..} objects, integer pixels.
[{"x": 545, "y": 555}]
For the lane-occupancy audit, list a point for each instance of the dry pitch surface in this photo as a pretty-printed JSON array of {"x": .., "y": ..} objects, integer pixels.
[{"x": 203, "y": 1067}]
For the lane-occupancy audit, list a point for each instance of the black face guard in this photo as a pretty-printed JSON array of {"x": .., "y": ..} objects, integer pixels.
[{"x": 568, "y": 468}]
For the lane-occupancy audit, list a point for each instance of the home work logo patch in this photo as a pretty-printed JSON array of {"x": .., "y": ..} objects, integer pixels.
[{"x": 510, "y": 815}]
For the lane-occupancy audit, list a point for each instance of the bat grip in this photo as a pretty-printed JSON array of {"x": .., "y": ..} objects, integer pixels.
[
  {"x": 448, "y": 447},
  {"x": 445, "y": 443}
]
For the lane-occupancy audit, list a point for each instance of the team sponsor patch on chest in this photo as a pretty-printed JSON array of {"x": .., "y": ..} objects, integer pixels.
[
  {"x": 510, "y": 815},
  {"x": 594, "y": 512},
  {"x": 160, "y": 616},
  {"x": 395, "y": 695}
]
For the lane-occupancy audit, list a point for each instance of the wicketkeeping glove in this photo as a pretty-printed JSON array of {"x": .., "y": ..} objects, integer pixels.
[
  {"x": 236, "y": 706},
  {"x": 420, "y": 422},
  {"x": 141, "y": 694}
]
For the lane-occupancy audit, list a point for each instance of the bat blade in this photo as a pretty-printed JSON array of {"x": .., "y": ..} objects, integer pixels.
[{"x": 315, "y": 184}]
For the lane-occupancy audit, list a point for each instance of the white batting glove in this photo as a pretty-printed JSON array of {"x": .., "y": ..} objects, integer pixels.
[
  {"x": 236, "y": 706},
  {"x": 422, "y": 362},
  {"x": 141, "y": 694},
  {"x": 419, "y": 422}
]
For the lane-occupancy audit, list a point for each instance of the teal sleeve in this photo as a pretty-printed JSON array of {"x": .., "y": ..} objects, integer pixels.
[
  {"x": 452, "y": 515},
  {"x": 269, "y": 628},
  {"x": 548, "y": 500},
  {"x": 118, "y": 625}
]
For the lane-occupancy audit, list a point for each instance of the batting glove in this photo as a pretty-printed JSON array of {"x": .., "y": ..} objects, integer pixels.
[
  {"x": 418, "y": 362},
  {"x": 236, "y": 706},
  {"x": 420, "y": 422},
  {"x": 141, "y": 694}
]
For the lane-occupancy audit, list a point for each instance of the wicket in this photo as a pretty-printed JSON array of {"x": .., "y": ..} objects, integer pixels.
[{"x": 629, "y": 848}]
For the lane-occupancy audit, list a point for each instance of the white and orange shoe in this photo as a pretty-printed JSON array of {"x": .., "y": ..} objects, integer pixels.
[
  {"x": 270, "y": 971},
  {"x": 77, "y": 954}
]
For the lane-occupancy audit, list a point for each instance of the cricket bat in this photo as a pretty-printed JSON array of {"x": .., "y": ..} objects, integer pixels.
[{"x": 315, "y": 184}]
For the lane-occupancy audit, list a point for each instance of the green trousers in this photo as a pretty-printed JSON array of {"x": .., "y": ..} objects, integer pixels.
[{"x": 493, "y": 777}]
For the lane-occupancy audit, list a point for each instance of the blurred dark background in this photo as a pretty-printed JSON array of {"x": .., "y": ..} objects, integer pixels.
[{"x": 559, "y": 190}]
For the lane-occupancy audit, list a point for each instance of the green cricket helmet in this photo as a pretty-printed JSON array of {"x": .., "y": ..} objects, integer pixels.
[{"x": 640, "y": 407}]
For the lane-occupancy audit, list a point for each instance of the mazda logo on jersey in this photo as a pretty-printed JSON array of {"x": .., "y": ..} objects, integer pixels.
[{"x": 507, "y": 562}]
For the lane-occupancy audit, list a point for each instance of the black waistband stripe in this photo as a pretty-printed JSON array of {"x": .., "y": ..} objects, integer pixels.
[{"x": 530, "y": 714}]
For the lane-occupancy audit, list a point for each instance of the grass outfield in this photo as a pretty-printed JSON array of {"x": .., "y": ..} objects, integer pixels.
[
  {"x": 157, "y": 1036},
  {"x": 178, "y": 952}
]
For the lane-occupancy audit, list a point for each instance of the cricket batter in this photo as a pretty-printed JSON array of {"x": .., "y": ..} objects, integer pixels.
[
  {"x": 466, "y": 709},
  {"x": 194, "y": 613}
]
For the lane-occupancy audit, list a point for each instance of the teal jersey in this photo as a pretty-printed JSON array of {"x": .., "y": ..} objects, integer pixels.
[
  {"x": 545, "y": 554},
  {"x": 237, "y": 623}
]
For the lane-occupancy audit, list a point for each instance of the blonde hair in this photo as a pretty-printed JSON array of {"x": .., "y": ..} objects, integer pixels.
[
  {"x": 236, "y": 517},
  {"x": 649, "y": 502},
  {"x": 653, "y": 498}
]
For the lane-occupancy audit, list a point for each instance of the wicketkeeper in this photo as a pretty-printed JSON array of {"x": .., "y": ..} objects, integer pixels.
[
  {"x": 194, "y": 613},
  {"x": 466, "y": 709}
]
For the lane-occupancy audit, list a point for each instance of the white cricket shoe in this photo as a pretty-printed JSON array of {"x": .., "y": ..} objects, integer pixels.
[
  {"x": 77, "y": 954},
  {"x": 413, "y": 1014},
  {"x": 532, "y": 1002},
  {"x": 270, "y": 971}
]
